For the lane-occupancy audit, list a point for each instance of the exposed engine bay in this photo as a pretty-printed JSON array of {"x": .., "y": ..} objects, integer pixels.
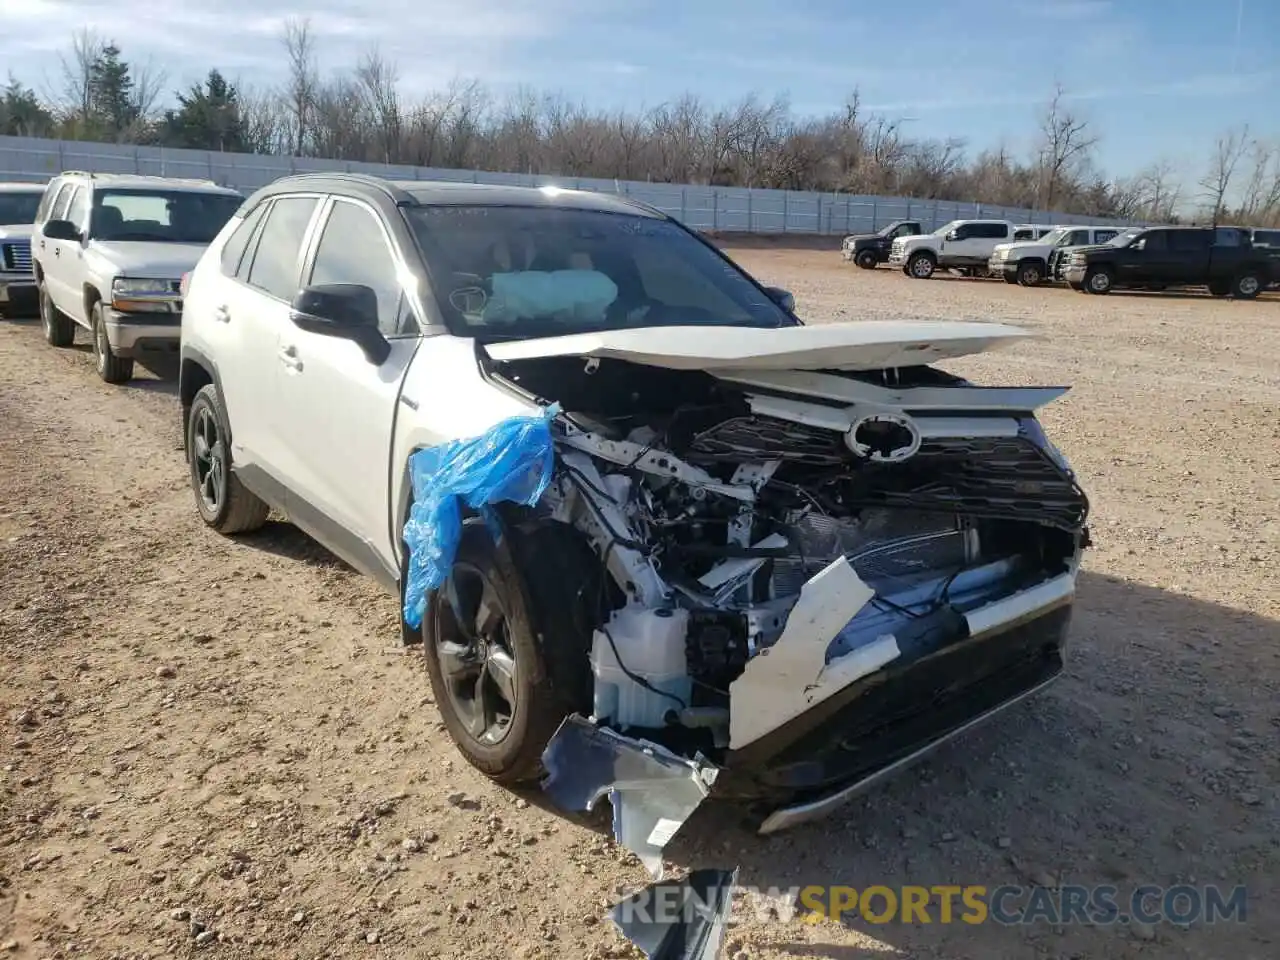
[{"x": 930, "y": 511}]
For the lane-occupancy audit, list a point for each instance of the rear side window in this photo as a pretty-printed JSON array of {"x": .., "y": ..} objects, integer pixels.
[
  {"x": 233, "y": 250},
  {"x": 1023, "y": 234},
  {"x": 1102, "y": 236},
  {"x": 1188, "y": 241},
  {"x": 1266, "y": 238},
  {"x": 1228, "y": 237},
  {"x": 988, "y": 231},
  {"x": 276, "y": 261}
]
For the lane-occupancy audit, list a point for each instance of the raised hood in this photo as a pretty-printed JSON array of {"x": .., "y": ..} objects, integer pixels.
[{"x": 857, "y": 345}]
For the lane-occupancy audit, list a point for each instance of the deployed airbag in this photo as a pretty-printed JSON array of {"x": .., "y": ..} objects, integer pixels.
[{"x": 571, "y": 295}]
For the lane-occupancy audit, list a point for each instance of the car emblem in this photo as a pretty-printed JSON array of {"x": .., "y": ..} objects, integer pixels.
[{"x": 884, "y": 437}]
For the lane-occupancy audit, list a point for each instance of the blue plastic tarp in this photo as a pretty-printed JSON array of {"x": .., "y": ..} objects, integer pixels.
[{"x": 513, "y": 461}]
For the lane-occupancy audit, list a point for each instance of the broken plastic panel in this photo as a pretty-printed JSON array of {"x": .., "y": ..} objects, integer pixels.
[
  {"x": 512, "y": 461},
  {"x": 652, "y": 790},
  {"x": 679, "y": 919}
]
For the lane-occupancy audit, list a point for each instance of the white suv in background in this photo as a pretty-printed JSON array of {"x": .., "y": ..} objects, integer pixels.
[
  {"x": 18, "y": 202},
  {"x": 1027, "y": 261},
  {"x": 959, "y": 245},
  {"x": 110, "y": 251}
]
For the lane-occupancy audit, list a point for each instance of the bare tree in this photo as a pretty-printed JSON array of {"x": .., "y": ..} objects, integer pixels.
[
  {"x": 1229, "y": 149},
  {"x": 1065, "y": 141},
  {"x": 378, "y": 79},
  {"x": 74, "y": 93},
  {"x": 303, "y": 82},
  {"x": 1261, "y": 195}
]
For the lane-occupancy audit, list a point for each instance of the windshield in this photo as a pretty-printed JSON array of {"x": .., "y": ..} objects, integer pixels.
[
  {"x": 946, "y": 228},
  {"x": 1053, "y": 236},
  {"x": 160, "y": 216},
  {"x": 511, "y": 272},
  {"x": 1125, "y": 238},
  {"x": 885, "y": 231},
  {"x": 18, "y": 207}
]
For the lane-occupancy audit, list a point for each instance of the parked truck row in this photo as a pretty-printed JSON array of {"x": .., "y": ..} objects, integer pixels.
[{"x": 1240, "y": 262}]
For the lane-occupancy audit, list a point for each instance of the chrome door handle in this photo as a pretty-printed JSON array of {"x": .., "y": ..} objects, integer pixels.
[
  {"x": 57, "y": 251},
  {"x": 289, "y": 357},
  {"x": 222, "y": 315}
]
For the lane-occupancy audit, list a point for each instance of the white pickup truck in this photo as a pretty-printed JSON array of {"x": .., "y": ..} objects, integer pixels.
[
  {"x": 963, "y": 245},
  {"x": 1027, "y": 261}
]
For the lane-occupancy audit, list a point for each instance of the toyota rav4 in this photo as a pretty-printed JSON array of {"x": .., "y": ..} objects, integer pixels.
[
  {"x": 110, "y": 250},
  {"x": 790, "y": 558}
]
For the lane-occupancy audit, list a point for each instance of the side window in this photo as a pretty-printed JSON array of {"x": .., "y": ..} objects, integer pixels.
[
  {"x": 59, "y": 211},
  {"x": 233, "y": 250},
  {"x": 1076, "y": 238},
  {"x": 992, "y": 231},
  {"x": 1024, "y": 234},
  {"x": 353, "y": 249},
  {"x": 78, "y": 207},
  {"x": 1228, "y": 237},
  {"x": 1155, "y": 242},
  {"x": 1105, "y": 236},
  {"x": 275, "y": 265},
  {"x": 1266, "y": 238},
  {"x": 964, "y": 231},
  {"x": 46, "y": 202},
  {"x": 1189, "y": 241}
]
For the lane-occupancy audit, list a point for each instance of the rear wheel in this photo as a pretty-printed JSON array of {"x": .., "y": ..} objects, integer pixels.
[
  {"x": 1246, "y": 286},
  {"x": 59, "y": 329},
  {"x": 223, "y": 502},
  {"x": 507, "y": 639},
  {"x": 866, "y": 260}
]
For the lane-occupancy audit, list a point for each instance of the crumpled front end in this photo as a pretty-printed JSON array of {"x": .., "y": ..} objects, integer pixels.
[{"x": 816, "y": 577}]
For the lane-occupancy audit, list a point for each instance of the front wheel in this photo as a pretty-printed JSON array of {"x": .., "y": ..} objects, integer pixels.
[
  {"x": 507, "y": 639},
  {"x": 1247, "y": 286},
  {"x": 1098, "y": 280},
  {"x": 866, "y": 260},
  {"x": 921, "y": 266},
  {"x": 1030, "y": 274},
  {"x": 223, "y": 502},
  {"x": 111, "y": 368},
  {"x": 59, "y": 329}
]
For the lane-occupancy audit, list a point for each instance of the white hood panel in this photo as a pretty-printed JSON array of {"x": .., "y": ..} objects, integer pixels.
[
  {"x": 857, "y": 345},
  {"x": 148, "y": 260}
]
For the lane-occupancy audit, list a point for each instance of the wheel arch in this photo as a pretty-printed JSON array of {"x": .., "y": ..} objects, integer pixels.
[{"x": 195, "y": 372}]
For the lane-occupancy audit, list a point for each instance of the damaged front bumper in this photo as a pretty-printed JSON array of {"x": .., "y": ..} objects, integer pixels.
[{"x": 807, "y": 733}]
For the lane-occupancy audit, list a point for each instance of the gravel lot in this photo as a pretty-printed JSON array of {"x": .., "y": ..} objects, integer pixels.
[{"x": 220, "y": 745}]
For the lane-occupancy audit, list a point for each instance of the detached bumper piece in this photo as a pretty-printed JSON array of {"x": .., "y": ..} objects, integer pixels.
[
  {"x": 681, "y": 919},
  {"x": 653, "y": 791}
]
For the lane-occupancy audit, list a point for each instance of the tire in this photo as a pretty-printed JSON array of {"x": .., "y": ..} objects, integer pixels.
[
  {"x": 111, "y": 369},
  {"x": 1098, "y": 281},
  {"x": 59, "y": 329},
  {"x": 222, "y": 501},
  {"x": 541, "y": 642},
  {"x": 867, "y": 260},
  {"x": 1247, "y": 286},
  {"x": 1008, "y": 278},
  {"x": 1030, "y": 274},
  {"x": 920, "y": 266}
]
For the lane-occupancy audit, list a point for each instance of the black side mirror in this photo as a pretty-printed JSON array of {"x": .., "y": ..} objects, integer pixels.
[
  {"x": 61, "y": 230},
  {"x": 783, "y": 298},
  {"x": 346, "y": 310}
]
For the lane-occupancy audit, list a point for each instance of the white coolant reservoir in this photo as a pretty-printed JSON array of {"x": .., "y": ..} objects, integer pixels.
[{"x": 650, "y": 645}]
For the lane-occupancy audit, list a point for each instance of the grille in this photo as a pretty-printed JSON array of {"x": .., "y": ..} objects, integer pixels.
[
  {"x": 983, "y": 477},
  {"x": 764, "y": 438},
  {"x": 16, "y": 255}
]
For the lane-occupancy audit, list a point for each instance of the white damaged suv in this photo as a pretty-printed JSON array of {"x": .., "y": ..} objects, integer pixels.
[
  {"x": 636, "y": 512},
  {"x": 110, "y": 251}
]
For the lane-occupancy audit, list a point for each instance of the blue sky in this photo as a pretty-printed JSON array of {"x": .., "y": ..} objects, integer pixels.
[{"x": 1156, "y": 77}]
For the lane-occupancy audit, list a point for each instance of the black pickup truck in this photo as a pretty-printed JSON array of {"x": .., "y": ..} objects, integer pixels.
[
  {"x": 868, "y": 250},
  {"x": 1224, "y": 259}
]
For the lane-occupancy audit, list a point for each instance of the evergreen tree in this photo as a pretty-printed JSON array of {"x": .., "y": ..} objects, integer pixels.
[
  {"x": 208, "y": 117},
  {"x": 111, "y": 92},
  {"x": 22, "y": 114}
]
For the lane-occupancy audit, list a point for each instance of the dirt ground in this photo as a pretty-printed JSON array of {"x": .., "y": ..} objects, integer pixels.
[{"x": 219, "y": 746}]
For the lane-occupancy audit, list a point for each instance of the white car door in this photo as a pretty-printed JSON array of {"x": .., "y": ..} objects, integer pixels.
[
  {"x": 337, "y": 406},
  {"x": 246, "y": 327}
]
